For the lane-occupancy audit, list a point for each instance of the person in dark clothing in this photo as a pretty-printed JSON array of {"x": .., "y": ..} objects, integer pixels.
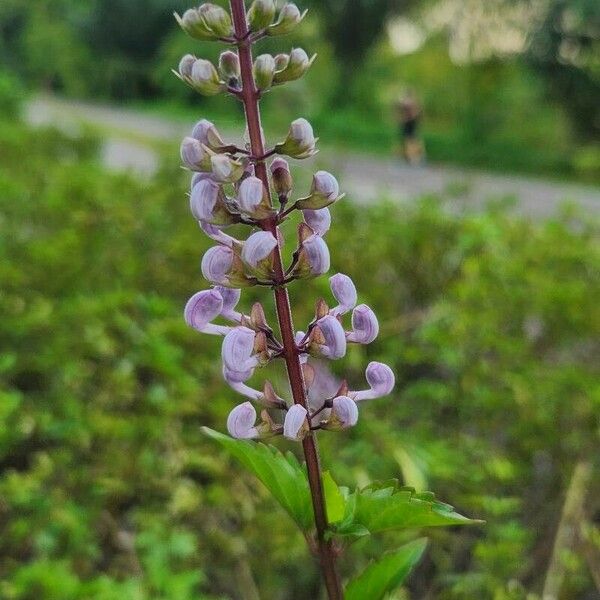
[{"x": 408, "y": 114}]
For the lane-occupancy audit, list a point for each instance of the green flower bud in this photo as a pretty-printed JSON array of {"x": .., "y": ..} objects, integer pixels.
[
  {"x": 264, "y": 70},
  {"x": 289, "y": 17},
  {"x": 281, "y": 62},
  {"x": 229, "y": 68},
  {"x": 260, "y": 14},
  {"x": 296, "y": 66},
  {"x": 204, "y": 78},
  {"x": 192, "y": 23},
  {"x": 300, "y": 141},
  {"x": 216, "y": 19}
]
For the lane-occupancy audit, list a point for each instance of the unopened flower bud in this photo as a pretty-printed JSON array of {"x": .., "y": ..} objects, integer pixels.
[
  {"x": 281, "y": 177},
  {"x": 207, "y": 203},
  {"x": 257, "y": 253},
  {"x": 252, "y": 198},
  {"x": 281, "y": 61},
  {"x": 194, "y": 25},
  {"x": 216, "y": 19},
  {"x": 365, "y": 326},
  {"x": 313, "y": 259},
  {"x": 288, "y": 19},
  {"x": 202, "y": 308},
  {"x": 264, "y": 70},
  {"x": 220, "y": 265},
  {"x": 206, "y": 133},
  {"x": 295, "y": 425},
  {"x": 334, "y": 338},
  {"x": 295, "y": 68},
  {"x": 380, "y": 379},
  {"x": 204, "y": 78},
  {"x": 260, "y": 14},
  {"x": 194, "y": 155},
  {"x": 237, "y": 351},
  {"x": 344, "y": 291},
  {"x": 226, "y": 169},
  {"x": 344, "y": 414},
  {"x": 185, "y": 65},
  {"x": 324, "y": 191},
  {"x": 241, "y": 422},
  {"x": 229, "y": 68},
  {"x": 300, "y": 141},
  {"x": 318, "y": 220}
]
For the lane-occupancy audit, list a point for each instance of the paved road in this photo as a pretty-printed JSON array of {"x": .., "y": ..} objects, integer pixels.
[{"x": 363, "y": 177}]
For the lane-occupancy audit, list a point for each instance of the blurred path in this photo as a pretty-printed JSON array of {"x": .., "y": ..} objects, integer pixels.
[{"x": 130, "y": 135}]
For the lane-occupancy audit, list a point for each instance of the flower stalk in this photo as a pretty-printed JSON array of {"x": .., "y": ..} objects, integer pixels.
[{"x": 250, "y": 98}]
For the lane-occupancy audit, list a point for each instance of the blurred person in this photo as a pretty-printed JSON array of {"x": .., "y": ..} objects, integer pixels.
[{"x": 408, "y": 115}]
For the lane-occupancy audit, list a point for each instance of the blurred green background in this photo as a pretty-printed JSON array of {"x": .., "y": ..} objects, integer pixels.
[{"x": 490, "y": 318}]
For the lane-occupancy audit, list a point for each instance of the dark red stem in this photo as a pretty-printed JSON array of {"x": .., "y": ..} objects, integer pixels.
[{"x": 250, "y": 98}]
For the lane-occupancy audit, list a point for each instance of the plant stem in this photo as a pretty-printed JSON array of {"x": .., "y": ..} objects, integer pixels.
[{"x": 250, "y": 98}]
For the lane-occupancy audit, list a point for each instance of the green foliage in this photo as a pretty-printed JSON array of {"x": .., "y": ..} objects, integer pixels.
[
  {"x": 109, "y": 490},
  {"x": 282, "y": 475},
  {"x": 385, "y": 575}
]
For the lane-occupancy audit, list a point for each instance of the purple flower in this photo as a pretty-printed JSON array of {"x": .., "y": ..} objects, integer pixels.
[
  {"x": 344, "y": 292},
  {"x": 334, "y": 336},
  {"x": 313, "y": 259},
  {"x": 226, "y": 169},
  {"x": 241, "y": 422},
  {"x": 344, "y": 413},
  {"x": 257, "y": 253},
  {"x": 295, "y": 425},
  {"x": 324, "y": 191},
  {"x": 237, "y": 350},
  {"x": 185, "y": 65},
  {"x": 365, "y": 326},
  {"x": 194, "y": 155},
  {"x": 300, "y": 141},
  {"x": 203, "y": 199},
  {"x": 216, "y": 264},
  {"x": 201, "y": 309},
  {"x": 318, "y": 220},
  {"x": 380, "y": 379},
  {"x": 206, "y": 133},
  {"x": 251, "y": 198}
]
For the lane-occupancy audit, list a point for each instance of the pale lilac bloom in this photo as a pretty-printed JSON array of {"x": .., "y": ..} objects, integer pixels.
[
  {"x": 203, "y": 199},
  {"x": 231, "y": 298},
  {"x": 318, "y": 220},
  {"x": 380, "y": 379},
  {"x": 214, "y": 232},
  {"x": 201, "y": 309},
  {"x": 258, "y": 247},
  {"x": 295, "y": 424},
  {"x": 344, "y": 412},
  {"x": 236, "y": 380},
  {"x": 206, "y": 133},
  {"x": 344, "y": 291},
  {"x": 194, "y": 155},
  {"x": 317, "y": 254},
  {"x": 250, "y": 194},
  {"x": 365, "y": 326},
  {"x": 326, "y": 185},
  {"x": 335, "y": 337},
  {"x": 216, "y": 264},
  {"x": 186, "y": 64},
  {"x": 238, "y": 348},
  {"x": 241, "y": 422}
]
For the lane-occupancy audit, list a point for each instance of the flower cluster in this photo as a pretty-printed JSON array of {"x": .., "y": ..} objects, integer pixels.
[{"x": 232, "y": 185}]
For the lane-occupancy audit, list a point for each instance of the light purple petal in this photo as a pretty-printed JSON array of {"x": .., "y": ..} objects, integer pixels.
[
  {"x": 241, "y": 421},
  {"x": 214, "y": 232},
  {"x": 318, "y": 220},
  {"x": 203, "y": 199},
  {"x": 258, "y": 247},
  {"x": 326, "y": 184},
  {"x": 381, "y": 379},
  {"x": 250, "y": 194},
  {"x": 237, "y": 349},
  {"x": 345, "y": 411},
  {"x": 216, "y": 264},
  {"x": 335, "y": 337},
  {"x": 344, "y": 292},
  {"x": 365, "y": 326},
  {"x": 295, "y": 423},
  {"x": 317, "y": 254},
  {"x": 231, "y": 298}
]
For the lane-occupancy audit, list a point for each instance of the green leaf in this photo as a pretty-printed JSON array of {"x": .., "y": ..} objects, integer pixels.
[
  {"x": 334, "y": 499},
  {"x": 380, "y": 507},
  {"x": 281, "y": 474},
  {"x": 387, "y": 573}
]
